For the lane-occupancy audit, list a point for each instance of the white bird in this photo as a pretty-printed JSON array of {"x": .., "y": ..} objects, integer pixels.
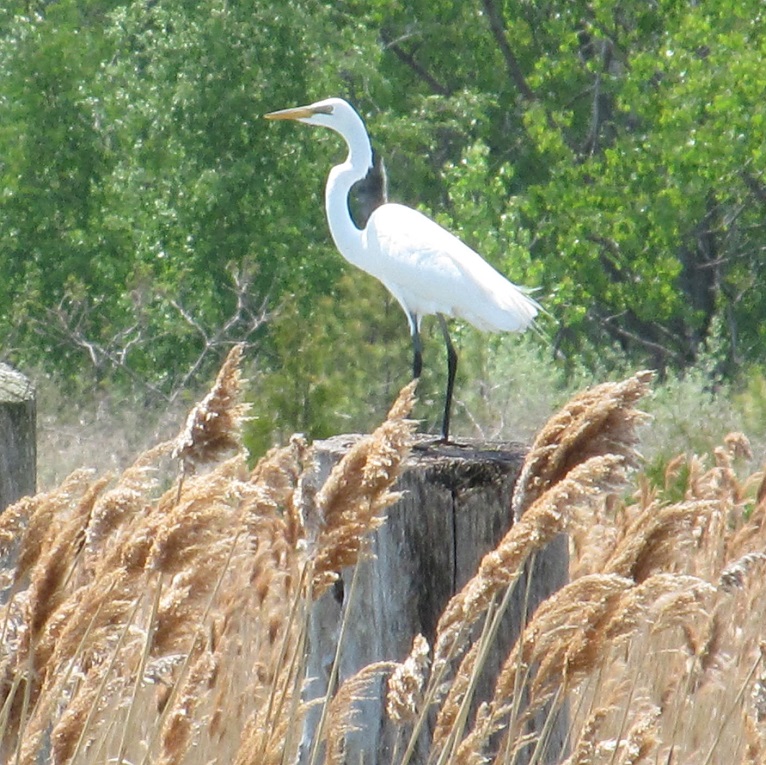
[{"x": 425, "y": 267}]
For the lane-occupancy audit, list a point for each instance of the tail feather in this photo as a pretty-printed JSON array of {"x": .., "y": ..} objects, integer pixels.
[{"x": 507, "y": 309}]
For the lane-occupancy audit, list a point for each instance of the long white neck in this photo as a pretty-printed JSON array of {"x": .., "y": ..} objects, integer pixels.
[{"x": 348, "y": 238}]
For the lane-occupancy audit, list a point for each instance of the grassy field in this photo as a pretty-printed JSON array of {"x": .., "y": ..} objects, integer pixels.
[{"x": 158, "y": 614}]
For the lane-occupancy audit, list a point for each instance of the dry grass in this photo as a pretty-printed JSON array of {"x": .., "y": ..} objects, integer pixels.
[
  {"x": 160, "y": 615},
  {"x": 145, "y": 624}
]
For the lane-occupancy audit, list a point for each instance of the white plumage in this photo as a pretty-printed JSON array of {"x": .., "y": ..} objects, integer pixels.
[
  {"x": 425, "y": 267},
  {"x": 429, "y": 270}
]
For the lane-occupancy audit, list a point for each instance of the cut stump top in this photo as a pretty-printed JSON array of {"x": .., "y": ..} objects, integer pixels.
[{"x": 465, "y": 464}]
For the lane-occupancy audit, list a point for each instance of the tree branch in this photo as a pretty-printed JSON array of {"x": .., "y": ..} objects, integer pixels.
[
  {"x": 68, "y": 323},
  {"x": 511, "y": 63},
  {"x": 419, "y": 69},
  {"x": 614, "y": 327},
  {"x": 755, "y": 185}
]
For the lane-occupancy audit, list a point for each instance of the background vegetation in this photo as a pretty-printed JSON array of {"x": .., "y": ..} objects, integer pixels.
[{"x": 609, "y": 152}]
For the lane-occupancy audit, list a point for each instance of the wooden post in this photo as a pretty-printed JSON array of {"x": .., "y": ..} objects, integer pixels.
[
  {"x": 456, "y": 507},
  {"x": 18, "y": 451}
]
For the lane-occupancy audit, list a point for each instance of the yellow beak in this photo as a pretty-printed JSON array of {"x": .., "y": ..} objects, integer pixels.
[{"x": 290, "y": 114}]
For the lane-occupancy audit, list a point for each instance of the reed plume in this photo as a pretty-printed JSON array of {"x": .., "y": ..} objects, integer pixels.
[
  {"x": 350, "y": 503},
  {"x": 548, "y": 516},
  {"x": 578, "y": 461},
  {"x": 585, "y": 751},
  {"x": 341, "y": 716},
  {"x": 177, "y": 733},
  {"x": 405, "y": 686},
  {"x": 213, "y": 425},
  {"x": 152, "y": 622},
  {"x": 600, "y": 421}
]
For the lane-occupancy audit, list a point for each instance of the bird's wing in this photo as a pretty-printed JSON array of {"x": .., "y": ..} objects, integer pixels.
[{"x": 429, "y": 270}]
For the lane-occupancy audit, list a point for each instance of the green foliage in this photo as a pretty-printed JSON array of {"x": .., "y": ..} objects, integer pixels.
[
  {"x": 660, "y": 215},
  {"x": 609, "y": 153},
  {"x": 143, "y": 175},
  {"x": 750, "y": 400}
]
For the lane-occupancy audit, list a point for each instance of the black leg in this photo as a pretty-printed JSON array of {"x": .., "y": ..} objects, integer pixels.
[
  {"x": 417, "y": 348},
  {"x": 451, "y": 372}
]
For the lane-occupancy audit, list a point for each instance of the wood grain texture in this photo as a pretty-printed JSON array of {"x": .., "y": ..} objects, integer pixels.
[{"x": 455, "y": 508}]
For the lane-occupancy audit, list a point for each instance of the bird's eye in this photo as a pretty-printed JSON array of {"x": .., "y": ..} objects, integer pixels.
[{"x": 324, "y": 109}]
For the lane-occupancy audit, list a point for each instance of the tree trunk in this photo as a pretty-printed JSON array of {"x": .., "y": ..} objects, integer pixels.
[
  {"x": 18, "y": 451},
  {"x": 456, "y": 507}
]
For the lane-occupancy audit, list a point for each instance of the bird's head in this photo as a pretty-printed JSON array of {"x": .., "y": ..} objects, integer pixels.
[
  {"x": 333, "y": 113},
  {"x": 340, "y": 116}
]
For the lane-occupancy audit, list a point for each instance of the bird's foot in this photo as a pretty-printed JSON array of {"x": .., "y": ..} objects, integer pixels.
[{"x": 424, "y": 443}]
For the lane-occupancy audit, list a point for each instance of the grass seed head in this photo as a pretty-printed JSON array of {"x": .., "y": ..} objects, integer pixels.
[
  {"x": 599, "y": 421},
  {"x": 342, "y": 709},
  {"x": 351, "y": 502},
  {"x": 213, "y": 425},
  {"x": 548, "y": 516},
  {"x": 405, "y": 686}
]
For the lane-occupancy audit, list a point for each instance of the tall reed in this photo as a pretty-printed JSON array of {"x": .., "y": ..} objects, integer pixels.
[{"x": 160, "y": 615}]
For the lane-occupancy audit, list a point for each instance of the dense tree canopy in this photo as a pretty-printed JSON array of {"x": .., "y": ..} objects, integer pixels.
[{"x": 609, "y": 152}]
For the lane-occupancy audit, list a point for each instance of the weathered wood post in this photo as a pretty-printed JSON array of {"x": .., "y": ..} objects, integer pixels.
[
  {"x": 18, "y": 451},
  {"x": 456, "y": 507}
]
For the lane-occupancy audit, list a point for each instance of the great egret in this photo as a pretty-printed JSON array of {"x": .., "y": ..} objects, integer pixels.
[{"x": 426, "y": 268}]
